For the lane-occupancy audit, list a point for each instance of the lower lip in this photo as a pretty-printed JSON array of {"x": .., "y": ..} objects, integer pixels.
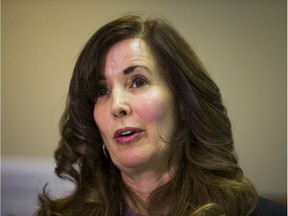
[{"x": 128, "y": 139}]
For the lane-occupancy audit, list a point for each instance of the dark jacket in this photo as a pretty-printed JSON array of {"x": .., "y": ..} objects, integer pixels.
[{"x": 268, "y": 207}]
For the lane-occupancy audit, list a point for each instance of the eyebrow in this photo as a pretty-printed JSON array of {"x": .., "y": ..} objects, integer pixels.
[{"x": 129, "y": 70}]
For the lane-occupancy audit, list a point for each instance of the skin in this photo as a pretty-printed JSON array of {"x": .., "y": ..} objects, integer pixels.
[{"x": 134, "y": 94}]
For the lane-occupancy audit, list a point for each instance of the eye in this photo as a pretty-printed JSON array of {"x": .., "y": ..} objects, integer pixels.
[
  {"x": 139, "y": 82},
  {"x": 102, "y": 92}
]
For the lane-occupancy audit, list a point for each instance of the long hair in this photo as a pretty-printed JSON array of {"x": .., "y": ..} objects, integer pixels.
[{"x": 208, "y": 179}]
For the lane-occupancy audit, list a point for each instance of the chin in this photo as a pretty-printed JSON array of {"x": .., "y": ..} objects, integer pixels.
[{"x": 132, "y": 161}]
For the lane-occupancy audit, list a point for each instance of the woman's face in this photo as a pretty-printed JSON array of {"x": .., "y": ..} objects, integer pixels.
[{"x": 135, "y": 109}]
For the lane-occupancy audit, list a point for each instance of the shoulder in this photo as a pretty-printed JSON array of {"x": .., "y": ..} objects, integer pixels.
[{"x": 266, "y": 207}]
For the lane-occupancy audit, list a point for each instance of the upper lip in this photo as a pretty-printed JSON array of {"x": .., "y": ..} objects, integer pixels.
[{"x": 121, "y": 131}]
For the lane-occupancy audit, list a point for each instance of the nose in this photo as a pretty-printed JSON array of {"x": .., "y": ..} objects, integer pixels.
[{"x": 120, "y": 104}]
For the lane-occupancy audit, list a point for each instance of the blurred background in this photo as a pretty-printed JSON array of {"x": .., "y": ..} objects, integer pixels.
[{"x": 242, "y": 43}]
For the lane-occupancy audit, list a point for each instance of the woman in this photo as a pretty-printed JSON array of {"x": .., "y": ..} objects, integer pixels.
[{"x": 145, "y": 131}]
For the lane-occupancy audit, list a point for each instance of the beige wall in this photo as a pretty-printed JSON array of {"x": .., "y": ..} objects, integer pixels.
[{"x": 242, "y": 43}]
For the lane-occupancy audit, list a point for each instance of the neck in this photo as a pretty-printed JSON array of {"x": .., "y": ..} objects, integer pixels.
[
  {"x": 144, "y": 180},
  {"x": 145, "y": 183}
]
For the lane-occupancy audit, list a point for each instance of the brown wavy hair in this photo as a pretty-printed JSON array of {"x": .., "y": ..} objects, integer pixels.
[{"x": 208, "y": 180}]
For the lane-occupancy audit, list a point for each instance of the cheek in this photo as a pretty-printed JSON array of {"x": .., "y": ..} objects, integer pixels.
[
  {"x": 99, "y": 118},
  {"x": 156, "y": 110},
  {"x": 95, "y": 115}
]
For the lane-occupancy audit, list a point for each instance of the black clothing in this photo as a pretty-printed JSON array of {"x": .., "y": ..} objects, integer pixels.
[{"x": 266, "y": 207}]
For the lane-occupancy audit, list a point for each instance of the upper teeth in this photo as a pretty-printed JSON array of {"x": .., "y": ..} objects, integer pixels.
[{"x": 126, "y": 132}]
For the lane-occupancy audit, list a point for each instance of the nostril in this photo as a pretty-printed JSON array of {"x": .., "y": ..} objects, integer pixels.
[{"x": 122, "y": 113}]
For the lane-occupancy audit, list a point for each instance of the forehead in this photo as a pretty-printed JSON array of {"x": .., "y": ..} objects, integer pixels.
[
  {"x": 128, "y": 48},
  {"x": 127, "y": 53}
]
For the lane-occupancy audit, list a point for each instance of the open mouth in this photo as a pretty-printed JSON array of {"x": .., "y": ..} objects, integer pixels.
[{"x": 127, "y": 134}]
